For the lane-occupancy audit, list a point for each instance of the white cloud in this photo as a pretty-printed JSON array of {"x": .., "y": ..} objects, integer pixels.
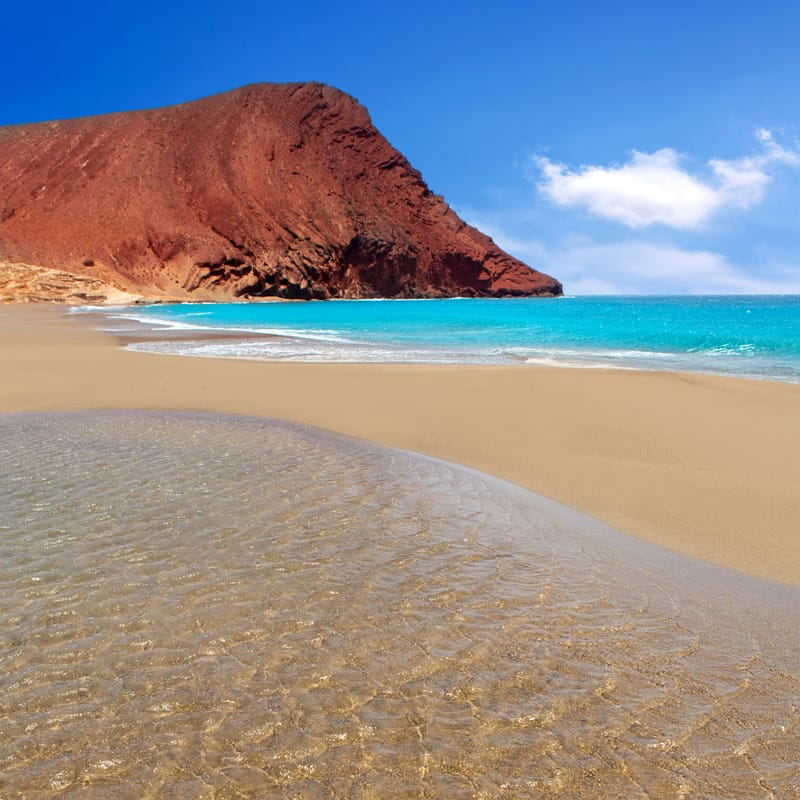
[
  {"x": 654, "y": 189},
  {"x": 641, "y": 267}
]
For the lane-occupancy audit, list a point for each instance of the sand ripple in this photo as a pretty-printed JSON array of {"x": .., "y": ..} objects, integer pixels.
[{"x": 198, "y": 607}]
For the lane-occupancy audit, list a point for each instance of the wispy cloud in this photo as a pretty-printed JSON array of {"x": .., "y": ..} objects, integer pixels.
[
  {"x": 638, "y": 266},
  {"x": 655, "y": 189}
]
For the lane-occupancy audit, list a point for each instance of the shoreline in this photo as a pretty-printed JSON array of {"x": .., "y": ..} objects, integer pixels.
[
  {"x": 332, "y": 336},
  {"x": 705, "y": 466}
]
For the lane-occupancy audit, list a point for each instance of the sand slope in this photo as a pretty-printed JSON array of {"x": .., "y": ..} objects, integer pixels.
[{"x": 706, "y": 466}]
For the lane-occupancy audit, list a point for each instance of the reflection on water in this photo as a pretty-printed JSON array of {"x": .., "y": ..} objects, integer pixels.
[{"x": 198, "y": 606}]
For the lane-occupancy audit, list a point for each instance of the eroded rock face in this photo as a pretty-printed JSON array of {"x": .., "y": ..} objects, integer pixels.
[
  {"x": 25, "y": 283},
  {"x": 283, "y": 190}
]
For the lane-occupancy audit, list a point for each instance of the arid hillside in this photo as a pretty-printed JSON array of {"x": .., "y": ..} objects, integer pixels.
[{"x": 283, "y": 190}]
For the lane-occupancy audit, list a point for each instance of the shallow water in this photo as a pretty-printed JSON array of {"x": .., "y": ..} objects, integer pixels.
[{"x": 199, "y": 606}]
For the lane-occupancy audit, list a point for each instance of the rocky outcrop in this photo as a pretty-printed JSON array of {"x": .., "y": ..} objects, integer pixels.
[
  {"x": 283, "y": 190},
  {"x": 25, "y": 283}
]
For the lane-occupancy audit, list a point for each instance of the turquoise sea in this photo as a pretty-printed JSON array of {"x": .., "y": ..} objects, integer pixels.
[{"x": 749, "y": 336}]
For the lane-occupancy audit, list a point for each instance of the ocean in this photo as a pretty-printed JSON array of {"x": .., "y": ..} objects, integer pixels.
[
  {"x": 201, "y": 606},
  {"x": 745, "y": 336}
]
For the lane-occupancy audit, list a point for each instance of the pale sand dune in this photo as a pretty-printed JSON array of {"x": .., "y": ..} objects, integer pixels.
[
  {"x": 706, "y": 466},
  {"x": 29, "y": 283}
]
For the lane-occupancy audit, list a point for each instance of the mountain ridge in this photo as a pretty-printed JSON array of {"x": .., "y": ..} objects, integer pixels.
[{"x": 269, "y": 190}]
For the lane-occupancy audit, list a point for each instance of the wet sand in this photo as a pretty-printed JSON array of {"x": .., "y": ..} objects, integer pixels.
[
  {"x": 306, "y": 615},
  {"x": 705, "y": 466}
]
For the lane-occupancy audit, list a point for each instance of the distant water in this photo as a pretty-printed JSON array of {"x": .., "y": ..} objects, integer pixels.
[
  {"x": 754, "y": 337},
  {"x": 198, "y": 606}
]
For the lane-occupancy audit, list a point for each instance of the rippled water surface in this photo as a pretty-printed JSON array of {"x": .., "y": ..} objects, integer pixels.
[{"x": 209, "y": 607}]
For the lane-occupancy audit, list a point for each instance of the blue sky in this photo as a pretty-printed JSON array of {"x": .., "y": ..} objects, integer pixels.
[{"x": 624, "y": 147}]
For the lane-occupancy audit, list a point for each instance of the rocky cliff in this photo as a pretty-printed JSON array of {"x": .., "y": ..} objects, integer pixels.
[{"x": 283, "y": 190}]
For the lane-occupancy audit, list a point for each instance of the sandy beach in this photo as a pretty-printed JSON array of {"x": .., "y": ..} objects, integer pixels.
[{"x": 705, "y": 466}]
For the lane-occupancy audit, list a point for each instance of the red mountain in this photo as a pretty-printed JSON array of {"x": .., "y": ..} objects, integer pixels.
[{"x": 283, "y": 190}]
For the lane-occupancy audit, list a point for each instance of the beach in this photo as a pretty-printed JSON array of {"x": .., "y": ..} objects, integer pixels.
[{"x": 705, "y": 466}]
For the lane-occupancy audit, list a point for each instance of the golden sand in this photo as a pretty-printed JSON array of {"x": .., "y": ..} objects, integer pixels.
[{"x": 706, "y": 466}]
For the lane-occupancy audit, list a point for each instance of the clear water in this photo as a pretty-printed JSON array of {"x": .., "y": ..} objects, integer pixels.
[
  {"x": 756, "y": 337},
  {"x": 197, "y": 606}
]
